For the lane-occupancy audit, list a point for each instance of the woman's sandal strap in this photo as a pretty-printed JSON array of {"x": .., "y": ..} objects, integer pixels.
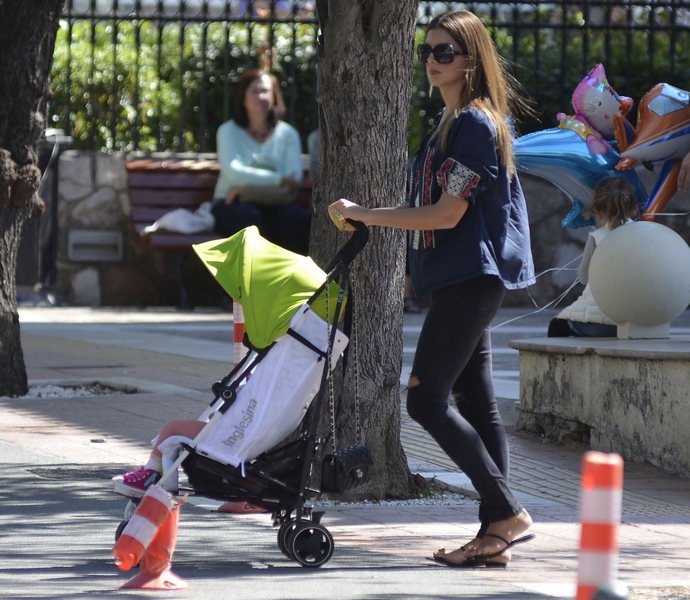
[
  {"x": 498, "y": 537},
  {"x": 515, "y": 542}
]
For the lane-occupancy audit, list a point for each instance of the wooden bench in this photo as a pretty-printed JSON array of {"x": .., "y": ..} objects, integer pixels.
[{"x": 158, "y": 186}]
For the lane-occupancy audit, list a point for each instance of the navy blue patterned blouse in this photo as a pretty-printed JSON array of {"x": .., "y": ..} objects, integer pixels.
[{"x": 492, "y": 238}]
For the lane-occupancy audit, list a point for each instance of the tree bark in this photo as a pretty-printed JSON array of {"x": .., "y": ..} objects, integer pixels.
[
  {"x": 27, "y": 40},
  {"x": 364, "y": 92}
]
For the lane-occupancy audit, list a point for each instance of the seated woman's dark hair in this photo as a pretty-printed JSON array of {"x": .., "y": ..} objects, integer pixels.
[{"x": 239, "y": 114}]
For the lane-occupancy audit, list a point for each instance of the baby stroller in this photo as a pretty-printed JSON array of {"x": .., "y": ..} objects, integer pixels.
[{"x": 242, "y": 454}]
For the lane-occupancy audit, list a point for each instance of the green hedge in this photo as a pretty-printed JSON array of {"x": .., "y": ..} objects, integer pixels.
[{"x": 151, "y": 80}]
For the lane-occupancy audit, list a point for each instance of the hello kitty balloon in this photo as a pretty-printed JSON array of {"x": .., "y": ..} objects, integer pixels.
[
  {"x": 595, "y": 102},
  {"x": 582, "y": 150}
]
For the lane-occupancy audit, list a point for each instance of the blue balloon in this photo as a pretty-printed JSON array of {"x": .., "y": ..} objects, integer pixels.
[{"x": 561, "y": 156}]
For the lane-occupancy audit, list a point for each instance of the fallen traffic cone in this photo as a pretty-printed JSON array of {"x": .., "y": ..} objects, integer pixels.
[
  {"x": 143, "y": 526},
  {"x": 154, "y": 568},
  {"x": 600, "y": 515},
  {"x": 150, "y": 537}
]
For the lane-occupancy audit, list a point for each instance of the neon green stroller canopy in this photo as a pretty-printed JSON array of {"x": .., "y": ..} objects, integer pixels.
[{"x": 270, "y": 283}]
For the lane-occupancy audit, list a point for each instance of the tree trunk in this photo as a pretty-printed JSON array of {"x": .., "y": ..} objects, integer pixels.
[
  {"x": 27, "y": 39},
  {"x": 364, "y": 92}
]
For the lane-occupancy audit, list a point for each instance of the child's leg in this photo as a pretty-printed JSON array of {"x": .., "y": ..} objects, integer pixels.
[
  {"x": 188, "y": 429},
  {"x": 135, "y": 483}
]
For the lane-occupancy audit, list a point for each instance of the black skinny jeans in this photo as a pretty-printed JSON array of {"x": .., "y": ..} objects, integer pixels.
[{"x": 454, "y": 355}]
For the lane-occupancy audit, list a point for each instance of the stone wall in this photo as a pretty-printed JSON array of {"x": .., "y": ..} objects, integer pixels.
[
  {"x": 92, "y": 196},
  {"x": 101, "y": 261}
]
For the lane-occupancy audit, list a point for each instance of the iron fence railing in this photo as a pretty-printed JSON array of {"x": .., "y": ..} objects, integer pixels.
[{"x": 161, "y": 74}]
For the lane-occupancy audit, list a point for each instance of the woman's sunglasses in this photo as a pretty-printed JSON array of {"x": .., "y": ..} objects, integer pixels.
[{"x": 443, "y": 53}]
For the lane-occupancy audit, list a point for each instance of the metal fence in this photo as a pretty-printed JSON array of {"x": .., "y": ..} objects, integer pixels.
[{"x": 161, "y": 74}]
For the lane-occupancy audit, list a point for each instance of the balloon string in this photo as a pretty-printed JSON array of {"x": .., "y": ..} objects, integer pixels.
[
  {"x": 558, "y": 299},
  {"x": 563, "y": 268},
  {"x": 665, "y": 214},
  {"x": 548, "y": 305},
  {"x": 551, "y": 304},
  {"x": 561, "y": 296}
]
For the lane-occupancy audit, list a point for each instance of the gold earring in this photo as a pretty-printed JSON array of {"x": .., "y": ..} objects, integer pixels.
[{"x": 431, "y": 90}]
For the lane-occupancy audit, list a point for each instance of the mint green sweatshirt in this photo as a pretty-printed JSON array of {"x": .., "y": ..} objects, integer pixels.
[{"x": 244, "y": 162}]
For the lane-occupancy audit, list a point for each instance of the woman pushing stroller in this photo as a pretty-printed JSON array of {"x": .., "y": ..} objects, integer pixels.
[{"x": 469, "y": 243}]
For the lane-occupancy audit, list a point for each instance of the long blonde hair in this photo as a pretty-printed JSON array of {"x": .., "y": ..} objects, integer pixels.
[{"x": 488, "y": 86}]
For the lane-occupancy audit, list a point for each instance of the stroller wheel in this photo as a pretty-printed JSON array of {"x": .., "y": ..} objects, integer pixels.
[
  {"x": 130, "y": 508},
  {"x": 311, "y": 545},
  {"x": 283, "y": 534},
  {"x": 120, "y": 529}
]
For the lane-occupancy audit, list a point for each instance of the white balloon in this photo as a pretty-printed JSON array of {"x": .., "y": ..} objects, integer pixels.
[{"x": 640, "y": 275}]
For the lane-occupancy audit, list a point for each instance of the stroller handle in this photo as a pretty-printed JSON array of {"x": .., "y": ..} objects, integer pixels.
[{"x": 353, "y": 246}]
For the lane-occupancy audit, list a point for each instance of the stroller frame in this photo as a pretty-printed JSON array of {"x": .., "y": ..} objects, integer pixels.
[{"x": 278, "y": 479}]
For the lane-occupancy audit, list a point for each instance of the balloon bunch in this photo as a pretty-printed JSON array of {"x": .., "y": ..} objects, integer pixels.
[{"x": 598, "y": 142}]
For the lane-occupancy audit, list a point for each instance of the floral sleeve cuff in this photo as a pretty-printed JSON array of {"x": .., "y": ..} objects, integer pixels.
[{"x": 456, "y": 179}]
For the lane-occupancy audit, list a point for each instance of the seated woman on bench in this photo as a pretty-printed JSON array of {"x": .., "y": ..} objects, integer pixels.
[{"x": 261, "y": 167}]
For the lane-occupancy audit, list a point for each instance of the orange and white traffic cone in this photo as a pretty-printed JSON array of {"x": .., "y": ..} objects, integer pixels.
[
  {"x": 152, "y": 530},
  {"x": 600, "y": 515},
  {"x": 154, "y": 568},
  {"x": 238, "y": 332}
]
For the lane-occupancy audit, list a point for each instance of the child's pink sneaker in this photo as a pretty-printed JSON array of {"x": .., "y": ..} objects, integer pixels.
[{"x": 135, "y": 483}]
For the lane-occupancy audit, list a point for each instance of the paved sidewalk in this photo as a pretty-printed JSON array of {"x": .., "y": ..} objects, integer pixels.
[{"x": 58, "y": 514}]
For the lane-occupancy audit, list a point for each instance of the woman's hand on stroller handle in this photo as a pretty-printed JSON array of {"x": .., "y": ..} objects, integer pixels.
[{"x": 343, "y": 213}]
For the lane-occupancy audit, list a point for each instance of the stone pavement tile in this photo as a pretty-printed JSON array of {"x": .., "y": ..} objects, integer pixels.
[
  {"x": 220, "y": 556},
  {"x": 420, "y": 528},
  {"x": 71, "y": 443},
  {"x": 62, "y": 359},
  {"x": 67, "y": 426},
  {"x": 116, "y": 314},
  {"x": 525, "y": 571},
  {"x": 533, "y": 446},
  {"x": 660, "y": 519},
  {"x": 644, "y": 480},
  {"x": 194, "y": 383},
  {"x": 644, "y": 538},
  {"x": 662, "y": 487},
  {"x": 158, "y": 366},
  {"x": 47, "y": 374},
  {"x": 551, "y": 558},
  {"x": 650, "y": 573},
  {"x": 415, "y": 532}
]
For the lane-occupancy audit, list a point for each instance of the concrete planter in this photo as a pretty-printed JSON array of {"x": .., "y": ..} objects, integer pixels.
[{"x": 625, "y": 396}]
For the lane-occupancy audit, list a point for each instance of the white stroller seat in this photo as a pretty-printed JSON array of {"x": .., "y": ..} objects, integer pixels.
[{"x": 277, "y": 394}]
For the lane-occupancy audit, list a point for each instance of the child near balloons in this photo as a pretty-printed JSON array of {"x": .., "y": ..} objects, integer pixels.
[{"x": 613, "y": 205}]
